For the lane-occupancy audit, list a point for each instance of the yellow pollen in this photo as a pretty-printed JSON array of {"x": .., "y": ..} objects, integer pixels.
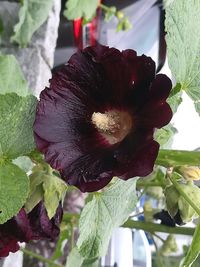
[
  {"x": 106, "y": 122},
  {"x": 113, "y": 125}
]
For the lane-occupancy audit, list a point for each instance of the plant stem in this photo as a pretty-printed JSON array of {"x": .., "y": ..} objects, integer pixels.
[
  {"x": 40, "y": 258},
  {"x": 183, "y": 194},
  {"x": 68, "y": 217},
  {"x": 170, "y": 158},
  {"x": 146, "y": 226},
  {"x": 105, "y": 8},
  {"x": 160, "y": 238},
  {"x": 72, "y": 236},
  {"x": 146, "y": 184},
  {"x": 153, "y": 227}
]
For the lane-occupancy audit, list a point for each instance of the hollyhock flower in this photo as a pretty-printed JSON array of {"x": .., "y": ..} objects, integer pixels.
[
  {"x": 25, "y": 227},
  {"x": 13, "y": 231},
  {"x": 98, "y": 117},
  {"x": 42, "y": 227}
]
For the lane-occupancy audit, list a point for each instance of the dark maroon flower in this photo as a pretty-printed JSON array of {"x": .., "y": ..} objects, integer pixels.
[
  {"x": 42, "y": 227},
  {"x": 98, "y": 117},
  {"x": 13, "y": 231},
  {"x": 25, "y": 227}
]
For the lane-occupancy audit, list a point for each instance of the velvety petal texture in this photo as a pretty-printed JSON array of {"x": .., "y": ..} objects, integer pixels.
[
  {"x": 97, "y": 118},
  {"x": 25, "y": 227}
]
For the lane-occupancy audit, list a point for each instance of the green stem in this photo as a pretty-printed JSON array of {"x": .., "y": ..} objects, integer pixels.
[
  {"x": 160, "y": 238},
  {"x": 105, "y": 8},
  {"x": 146, "y": 184},
  {"x": 153, "y": 227},
  {"x": 154, "y": 241},
  {"x": 146, "y": 226},
  {"x": 40, "y": 258},
  {"x": 183, "y": 194},
  {"x": 170, "y": 158},
  {"x": 68, "y": 217},
  {"x": 72, "y": 236}
]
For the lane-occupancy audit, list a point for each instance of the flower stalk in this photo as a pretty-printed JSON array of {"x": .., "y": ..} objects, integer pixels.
[
  {"x": 141, "y": 225},
  {"x": 153, "y": 227},
  {"x": 40, "y": 258},
  {"x": 171, "y": 158},
  {"x": 143, "y": 183}
]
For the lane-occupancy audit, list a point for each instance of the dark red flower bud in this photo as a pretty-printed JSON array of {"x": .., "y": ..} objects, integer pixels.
[
  {"x": 13, "y": 231},
  {"x": 42, "y": 227},
  {"x": 25, "y": 227},
  {"x": 98, "y": 117}
]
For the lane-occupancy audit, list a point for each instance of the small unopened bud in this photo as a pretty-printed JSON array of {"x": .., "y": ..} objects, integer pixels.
[
  {"x": 172, "y": 196},
  {"x": 179, "y": 209},
  {"x": 119, "y": 15},
  {"x": 127, "y": 24},
  {"x": 169, "y": 246},
  {"x": 155, "y": 192},
  {"x": 189, "y": 172},
  {"x": 148, "y": 212}
]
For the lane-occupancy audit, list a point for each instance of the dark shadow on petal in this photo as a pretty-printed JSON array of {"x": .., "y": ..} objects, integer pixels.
[
  {"x": 42, "y": 227},
  {"x": 91, "y": 171},
  {"x": 160, "y": 88},
  {"x": 155, "y": 116},
  {"x": 142, "y": 162}
]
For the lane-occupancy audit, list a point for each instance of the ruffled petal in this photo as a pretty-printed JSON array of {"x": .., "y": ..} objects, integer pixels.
[
  {"x": 160, "y": 88},
  {"x": 155, "y": 116},
  {"x": 156, "y": 112},
  {"x": 42, "y": 227},
  {"x": 99, "y": 80},
  {"x": 142, "y": 162},
  {"x": 25, "y": 227},
  {"x": 13, "y": 231},
  {"x": 90, "y": 172}
]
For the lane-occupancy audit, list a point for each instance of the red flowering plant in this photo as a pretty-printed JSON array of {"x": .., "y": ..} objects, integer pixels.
[
  {"x": 103, "y": 107},
  {"x": 100, "y": 128}
]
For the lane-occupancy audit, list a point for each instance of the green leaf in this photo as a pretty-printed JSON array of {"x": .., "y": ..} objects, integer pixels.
[
  {"x": 165, "y": 135},
  {"x": 103, "y": 214},
  {"x": 175, "y": 99},
  {"x": 45, "y": 185},
  {"x": 80, "y": 8},
  {"x": 36, "y": 156},
  {"x": 170, "y": 158},
  {"x": 17, "y": 115},
  {"x": 110, "y": 12},
  {"x": 14, "y": 188},
  {"x": 24, "y": 163},
  {"x": 63, "y": 237},
  {"x": 34, "y": 198},
  {"x": 75, "y": 259},
  {"x": 194, "y": 249},
  {"x": 11, "y": 77},
  {"x": 119, "y": 26},
  {"x": 32, "y": 15},
  {"x": 91, "y": 263},
  {"x": 183, "y": 43},
  {"x": 167, "y": 2},
  {"x": 54, "y": 191}
]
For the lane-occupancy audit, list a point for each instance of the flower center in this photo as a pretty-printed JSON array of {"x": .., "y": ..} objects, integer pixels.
[{"x": 113, "y": 125}]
